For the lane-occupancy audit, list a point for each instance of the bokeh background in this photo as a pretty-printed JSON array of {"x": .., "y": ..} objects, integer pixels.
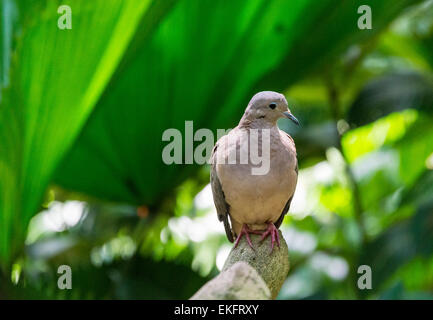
[{"x": 82, "y": 112}]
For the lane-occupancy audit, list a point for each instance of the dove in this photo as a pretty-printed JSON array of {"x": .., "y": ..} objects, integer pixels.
[{"x": 247, "y": 202}]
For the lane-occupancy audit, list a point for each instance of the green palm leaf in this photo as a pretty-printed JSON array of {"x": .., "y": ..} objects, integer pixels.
[{"x": 56, "y": 78}]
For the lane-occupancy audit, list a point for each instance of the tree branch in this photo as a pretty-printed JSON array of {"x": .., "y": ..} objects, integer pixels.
[{"x": 249, "y": 274}]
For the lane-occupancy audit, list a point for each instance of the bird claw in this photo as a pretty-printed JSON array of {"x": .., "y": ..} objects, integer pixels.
[
  {"x": 273, "y": 232},
  {"x": 246, "y": 231}
]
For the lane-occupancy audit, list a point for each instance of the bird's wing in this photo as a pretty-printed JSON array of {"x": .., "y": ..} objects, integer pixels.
[
  {"x": 287, "y": 206},
  {"x": 222, "y": 207}
]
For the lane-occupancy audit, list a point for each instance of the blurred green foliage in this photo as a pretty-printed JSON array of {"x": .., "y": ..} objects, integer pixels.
[{"x": 82, "y": 113}]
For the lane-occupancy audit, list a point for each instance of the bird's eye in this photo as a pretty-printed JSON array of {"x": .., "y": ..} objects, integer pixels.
[{"x": 273, "y": 105}]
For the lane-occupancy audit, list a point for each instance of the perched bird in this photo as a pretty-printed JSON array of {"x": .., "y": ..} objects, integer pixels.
[{"x": 255, "y": 203}]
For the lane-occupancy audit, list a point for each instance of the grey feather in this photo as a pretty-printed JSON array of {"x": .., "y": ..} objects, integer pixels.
[
  {"x": 222, "y": 207},
  {"x": 286, "y": 207}
]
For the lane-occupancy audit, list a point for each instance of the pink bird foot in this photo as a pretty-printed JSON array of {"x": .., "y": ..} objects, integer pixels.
[
  {"x": 273, "y": 232},
  {"x": 246, "y": 231}
]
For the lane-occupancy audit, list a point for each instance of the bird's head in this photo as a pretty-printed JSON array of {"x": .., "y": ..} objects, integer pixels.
[{"x": 268, "y": 107}]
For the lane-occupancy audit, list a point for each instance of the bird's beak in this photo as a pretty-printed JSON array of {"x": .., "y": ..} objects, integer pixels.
[{"x": 291, "y": 117}]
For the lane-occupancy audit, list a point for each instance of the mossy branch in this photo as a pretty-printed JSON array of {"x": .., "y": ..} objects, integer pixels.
[{"x": 249, "y": 274}]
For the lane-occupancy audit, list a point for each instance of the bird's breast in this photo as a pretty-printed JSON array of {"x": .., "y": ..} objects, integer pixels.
[{"x": 258, "y": 198}]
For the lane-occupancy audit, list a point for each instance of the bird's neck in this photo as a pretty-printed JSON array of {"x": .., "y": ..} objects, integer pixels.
[{"x": 256, "y": 123}]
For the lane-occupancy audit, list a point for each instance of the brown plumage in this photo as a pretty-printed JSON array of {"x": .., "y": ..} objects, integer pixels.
[{"x": 247, "y": 202}]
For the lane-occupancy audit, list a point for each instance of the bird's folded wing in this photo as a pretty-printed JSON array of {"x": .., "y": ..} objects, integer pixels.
[
  {"x": 221, "y": 205},
  {"x": 289, "y": 202},
  {"x": 285, "y": 210}
]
